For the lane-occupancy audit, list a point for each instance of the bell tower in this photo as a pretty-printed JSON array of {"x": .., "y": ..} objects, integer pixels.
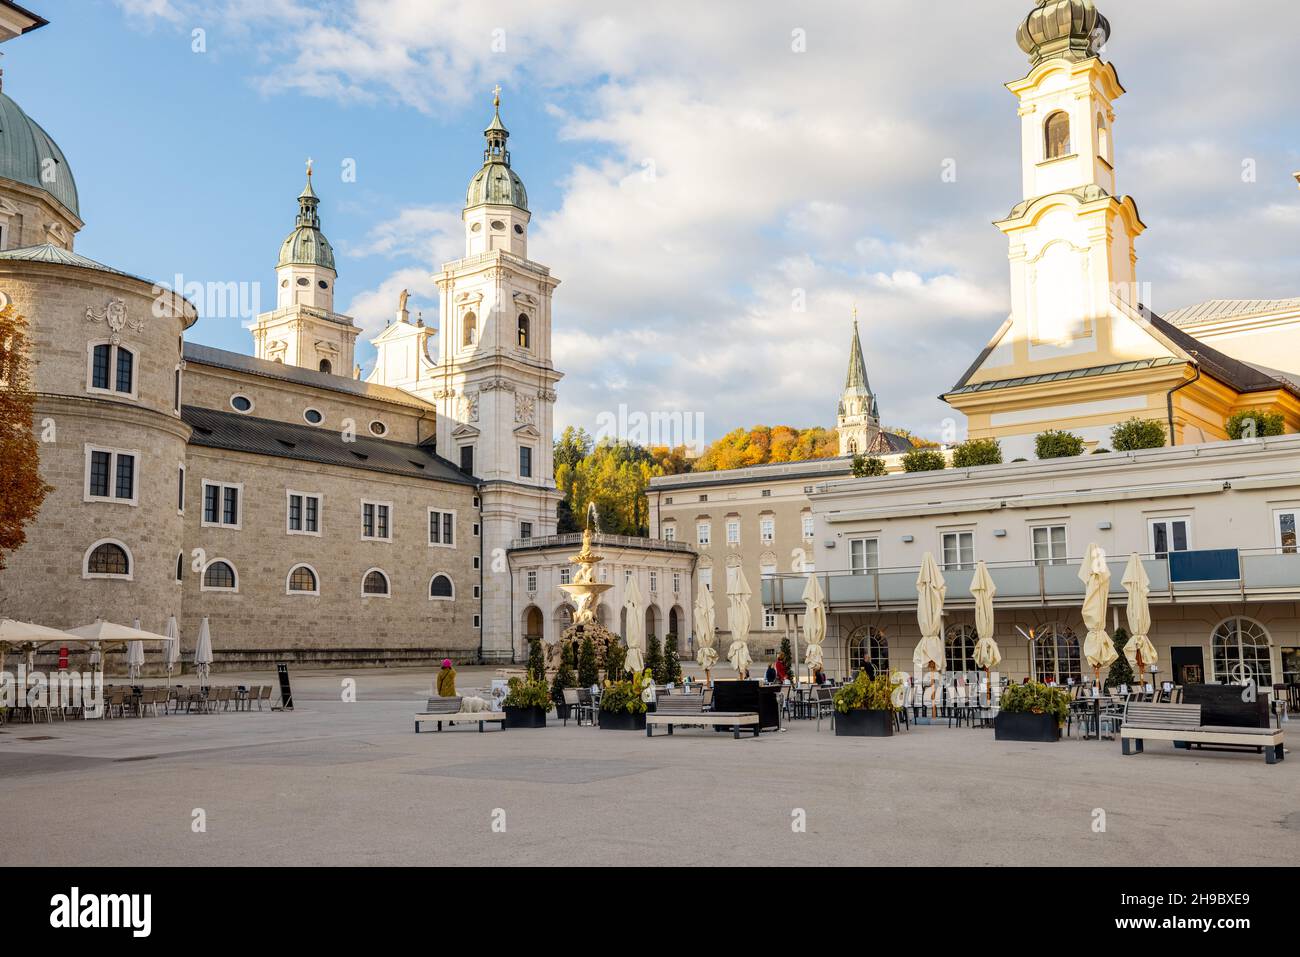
[{"x": 858, "y": 420}]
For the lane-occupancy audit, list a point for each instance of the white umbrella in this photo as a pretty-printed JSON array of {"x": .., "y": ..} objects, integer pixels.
[
  {"x": 14, "y": 633},
  {"x": 634, "y": 662},
  {"x": 134, "y": 655},
  {"x": 814, "y": 622},
  {"x": 172, "y": 653},
  {"x": 738, "y": 595},
  {"x": 107, "y": 633},
  {"x": 1139, "y": 651},
  {"x": 931, "y": 589},
  {"x": 987, "y": 655},
  {"x": 203, "y": 653},
  {"x": 1095, "y": 575},
  {"x": 707, "y": 656}
]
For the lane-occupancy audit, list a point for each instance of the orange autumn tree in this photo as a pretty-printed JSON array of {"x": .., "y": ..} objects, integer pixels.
[
  {"x": 764, "y": 444},
  {"x": 21, "y": 489}
]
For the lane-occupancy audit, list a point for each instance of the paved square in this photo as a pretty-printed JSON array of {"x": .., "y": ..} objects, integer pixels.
[{"x": 339, "y": 783}]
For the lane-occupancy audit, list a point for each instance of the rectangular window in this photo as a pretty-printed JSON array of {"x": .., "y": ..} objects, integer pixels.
[
  {"x": 769, "y": 619},
  {"x": 125, "y": 370},
  {"x": 733, "y": 533},
  {"x": 670, "y": 533},
  {"x": 627, "y": 575},
  {"x": 112, "y": 369},
  {"x": 176, "y": 392},
  {"x": 767, "y": 530},
  {"x": 180, "y": 488},
  {"x": 565, "y": 575},
  {"x": 706, "y": 579},
  {"x": 703, "y": 531},
  {"x": 531, "y": 580},
  {"x": 221, "y": 504},
  {"x": 525, "y": 530},
  {"x": 375, "y": 521},
  {"x": 467, "y": 459},
  {"x": 864, "y": 555},
  {"x": 110, "y": 476},
  {"x": 525, "y": 462},
  {"x": 304, "y": 514},
  {"x": 100, "y": 358},
  {"x": 1049, "y": 544},
  {"x": 677, "y": 583},
  {"x": 1170, "y": 535},
  {"x": 766, "y": 493},
  {"x": 808, "y": 527},
  {"x": 442, "y": 528},
  {"x": 958, "y": 551},
  {"x": 654, "y": 581},
  {"x": 668, "y": 500},
  {"x": 1284, "y": 523}
]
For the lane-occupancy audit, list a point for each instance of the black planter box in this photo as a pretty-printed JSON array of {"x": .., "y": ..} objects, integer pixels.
[
  {"x": 1025, "y": 726},
  {"x": 621, "y": 721},
  {"x": 525, "y": 717},
  {"x": 561, "y": 711},
  {"x": 864, "y": 723}
]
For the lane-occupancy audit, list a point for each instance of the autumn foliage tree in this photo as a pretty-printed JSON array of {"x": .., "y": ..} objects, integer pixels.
[
  {"x": 21, "y": 489},
  {"x": 762, "y": 444}
]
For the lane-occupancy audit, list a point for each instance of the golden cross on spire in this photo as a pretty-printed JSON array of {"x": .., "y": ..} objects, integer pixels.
[
  {"x": 309, "y": 162},
  {"x": 496, "y": 95}
]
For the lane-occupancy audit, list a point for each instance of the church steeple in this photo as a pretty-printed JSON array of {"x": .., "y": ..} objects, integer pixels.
[
  {"x": 496, "y": 204},
  {"x": 858, "y": 421}
]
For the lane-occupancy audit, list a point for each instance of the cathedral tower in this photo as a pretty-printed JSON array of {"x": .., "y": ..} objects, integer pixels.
[
  {"x": 304, "y": 330},
  {"x": 858, "y": 420}
]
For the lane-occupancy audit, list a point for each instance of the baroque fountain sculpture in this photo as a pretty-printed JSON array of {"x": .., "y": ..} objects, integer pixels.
[{"x": 585, "y": 592}]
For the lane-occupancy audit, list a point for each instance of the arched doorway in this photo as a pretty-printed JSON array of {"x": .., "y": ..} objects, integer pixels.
[
  {"x": 652, "y": 622},
  {"x": 1241, "y": 651},
  {"x": 534, "y": 623},
  {"x": 1056, "y": 654},
  {"x": 867, "y": 645},
  {"x": 959, "y": 647}
]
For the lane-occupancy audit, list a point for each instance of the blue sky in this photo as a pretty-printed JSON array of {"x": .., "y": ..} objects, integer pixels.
[{"x": 692, "y": 173}]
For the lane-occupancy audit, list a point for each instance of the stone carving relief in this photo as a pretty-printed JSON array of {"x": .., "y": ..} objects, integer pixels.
[
  {"x": 114, "y": 315},
  {"x": 524, "y": 408},
  {"x": 469, "y": 407}
]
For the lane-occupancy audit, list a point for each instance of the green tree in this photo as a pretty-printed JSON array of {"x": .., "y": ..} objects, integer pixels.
[
  {"x": 536, "y": 659},
  {"x": 615, "y": 655},
  {"x": 1137, "y": 434},
  {"x": 1055, "y": 444},
  {"x": 672, "y": 663},
  {"x": 564, "y": 676},
  {"x": 788, "y": 654},
  {"x": 1255, "y": 423},
  {"x": 977, "y": 452},
  {"x": 924, "y": 460},
  {"x": 654, "y": 659},
  {"x": 1120, "y": 671},
  {"x": 588, "y": 674},
  {"x": 868, "y": 466}
]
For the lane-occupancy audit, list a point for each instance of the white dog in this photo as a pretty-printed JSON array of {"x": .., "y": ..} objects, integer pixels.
[{"x": 473, "y": 705}]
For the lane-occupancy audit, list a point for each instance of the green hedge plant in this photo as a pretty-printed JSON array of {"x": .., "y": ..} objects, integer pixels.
[
  {"x": 977, "y": 452},
  {"x": 924, "y": 460},
  {"x": 626, "y": 695},
  {"x": 527, "y": 692},
  {"x": 868, "y": 466},
  {"x": 1056, "y": 444},
  {"x": 564, "y": 676},
  {"x": 867, "y": 694},
  {"x": 1138, "y": 434},
  {"x": 1035, "y": 698},
  {"x": 1254, "y": 424}
]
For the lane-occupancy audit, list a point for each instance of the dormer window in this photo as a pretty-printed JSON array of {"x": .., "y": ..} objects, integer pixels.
[{"x": 1056, "y": 135}]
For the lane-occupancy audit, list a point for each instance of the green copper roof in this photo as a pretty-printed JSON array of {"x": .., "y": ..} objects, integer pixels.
[
  {"x": 29, "y": 156},
  {"x": 496, "y": 183},
  {"x": 307, "y": 245},
  {"x": 856, "y": 380},
  {"x": 1063, "y": 29},
  {"x": 49, "y": 253}
]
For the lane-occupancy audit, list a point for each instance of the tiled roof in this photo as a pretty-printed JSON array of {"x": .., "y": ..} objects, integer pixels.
[
  {"x": 238, "y": 362},
  {"x": 305, "y": 443},
  {"x": 1241, "y": 376},
  {"x": 1213, "y": 309}
]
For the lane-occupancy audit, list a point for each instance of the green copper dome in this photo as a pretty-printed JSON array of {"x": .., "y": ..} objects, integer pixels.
[
  {"x": 496, "y": 183},
  {"x": 29, "y": 156},
  {"x": 307, "y": 245},
  {"x": 1063, "y": 29}
]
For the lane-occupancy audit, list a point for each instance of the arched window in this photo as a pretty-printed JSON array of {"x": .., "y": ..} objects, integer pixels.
[
  {"x": 523, "y": 331},
  {"x": 108, "y": 560},
  {"x": 325, "y": 366},
  {"x": 375, "y": 583},
  {"x": 853, "y": 446},
  {"x": 440, "y": 587},
  {"x": 112, "y": 369},
  {"x": 303, "y": 581},
  {"x": 219, "y": 575},
  {"x": 959, "y": 647},
  {"x": 1056, "y": 654},
  {"x": 469, "y": 327},
  {"x": 1240, "y": 648},
  {"x": 868, "y": 646},
  {"x": 1056, "y": 135},
  {"x": 1103, "y": 138},
  {"x": 180, "y": 566}
]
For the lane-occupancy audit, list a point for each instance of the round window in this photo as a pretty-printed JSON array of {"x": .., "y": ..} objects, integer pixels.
[
  {"x": 284, "y": 283},
  {"x": 303, "y": 280},
  {"x": 497, "y": 224},
  {"x": 378, "y": 428},
  {"x": 241, "y": 403},
  {"x": 476, "y": 228},
  {"x": 323, "y": 284},
  {"x": 313, "y": 416},
  {"x": 519, "y": 230}
]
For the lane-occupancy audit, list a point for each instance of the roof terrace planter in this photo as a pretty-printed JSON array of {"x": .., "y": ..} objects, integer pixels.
[{"x": 865, "y": 723}]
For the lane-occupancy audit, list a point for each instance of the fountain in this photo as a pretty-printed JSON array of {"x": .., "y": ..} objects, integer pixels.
[{"x": 585, "y": 592}]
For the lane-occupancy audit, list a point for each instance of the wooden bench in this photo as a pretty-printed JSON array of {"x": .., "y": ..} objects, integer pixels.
[
  {"x": 686, "y": 709},
  {"x": 1181, "y": 724},
  {"x": 447, "y": 710}
]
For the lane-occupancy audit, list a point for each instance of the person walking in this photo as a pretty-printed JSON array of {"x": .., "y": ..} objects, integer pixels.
[{"x": 445, "y": 683}]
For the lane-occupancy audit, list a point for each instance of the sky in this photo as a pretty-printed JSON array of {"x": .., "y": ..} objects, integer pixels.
[{"x": 717, "y": 186}]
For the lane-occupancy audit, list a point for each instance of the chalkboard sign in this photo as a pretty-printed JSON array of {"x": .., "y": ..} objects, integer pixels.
[{"x": 286, "y": 694}]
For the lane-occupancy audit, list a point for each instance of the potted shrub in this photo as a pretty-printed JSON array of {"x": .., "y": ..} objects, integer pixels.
[
  {"x": 526, "y": 702},
  {"x": 1031, "y": 712},
  {"x": 864, "y": 707},
  {"x": 621, "y": 707}
]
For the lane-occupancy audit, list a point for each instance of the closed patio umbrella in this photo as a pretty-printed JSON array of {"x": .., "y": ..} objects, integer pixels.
[
  {"x": 987, "y": 655},
  {"x": 203, "y": 653},
  {"x": 134, "y": 655},
  {"x": 705, "y": 622},
  {"x": 635, "y": 661},
  {"x": 738, "y": 595},
  {"x": 931, "y": 589},
  {"x": 172, "y": 652},
  {"x": 814, "y": 622},
  {"x": 1095, "y": 575},
  {"x": 1139, "y": 651}
]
